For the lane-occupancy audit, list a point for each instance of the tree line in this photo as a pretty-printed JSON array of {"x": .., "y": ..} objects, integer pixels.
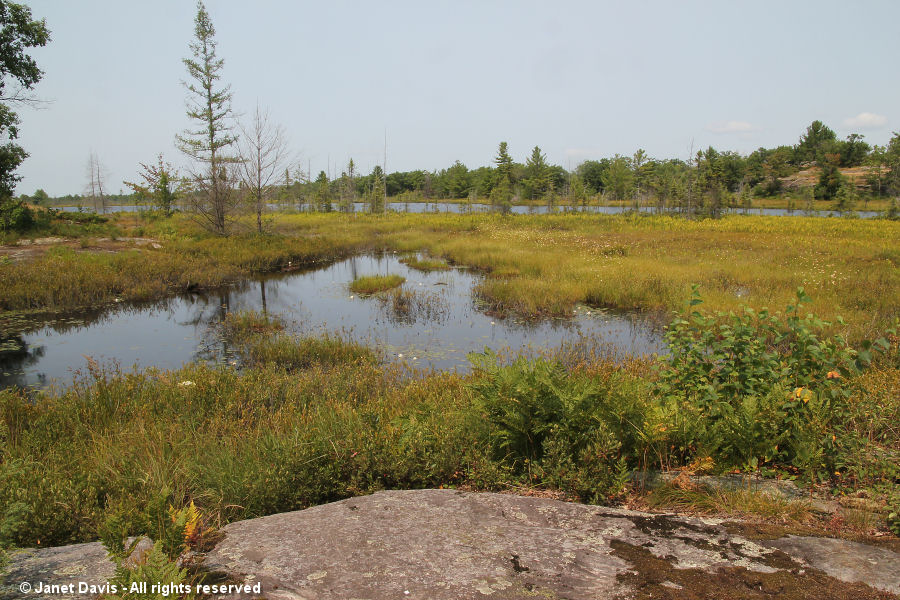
[{"x": 237, "y": 166}]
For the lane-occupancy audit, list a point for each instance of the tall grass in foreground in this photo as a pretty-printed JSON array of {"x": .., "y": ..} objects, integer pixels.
[{"x": 286, "y": 433}]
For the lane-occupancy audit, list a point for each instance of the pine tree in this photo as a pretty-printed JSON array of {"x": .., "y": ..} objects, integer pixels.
[
  {"x": 209, "y": 107},
  {"x": 376, "y": 191},
  {"x": 501, "y": 191},
  {"x": 537, "y": 175},
  {"x": 323, "y": 193}
]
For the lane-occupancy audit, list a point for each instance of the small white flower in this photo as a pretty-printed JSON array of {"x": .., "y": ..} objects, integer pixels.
[
  {"x": 399, "y": 356},
  {"x": 186, "y": 384}
]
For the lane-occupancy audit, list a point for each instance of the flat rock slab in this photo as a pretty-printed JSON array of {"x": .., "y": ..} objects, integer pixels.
[
  {"x": 65, "y": 565},
  {"x": 445, "y": 544},
  {"x": 845, "y": 560},
  {"x": 450, "y": 545}
]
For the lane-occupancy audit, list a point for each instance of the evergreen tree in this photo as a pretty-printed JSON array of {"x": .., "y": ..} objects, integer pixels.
[
  {"x": 323, "y": 193},
  {"x": 376, "y": 190},
  {"x": 209, "y": 107},
  {"x": 817, "y": 140},
  {"x": 501, "y": 190},
  {"x": 618, "y": 178},
  {"x": 159, "y": 185},
  {"x": 537, "y": 175}
]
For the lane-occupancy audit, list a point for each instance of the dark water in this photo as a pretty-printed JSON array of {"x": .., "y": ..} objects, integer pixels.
[
  {"x": 452, "y": 207},
  {"x": 445, "y": 326}
]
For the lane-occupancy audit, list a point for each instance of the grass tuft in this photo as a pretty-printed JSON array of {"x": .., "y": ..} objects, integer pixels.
[{"x": 373, "y": 284}]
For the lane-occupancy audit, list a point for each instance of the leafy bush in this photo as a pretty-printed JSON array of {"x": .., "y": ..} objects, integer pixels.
[
  {"x": 759, "y": 387},
  {"x": 15, "y": 215},
  {"x": 554, "y": 427},
  {"x": 893, "y": 518}
]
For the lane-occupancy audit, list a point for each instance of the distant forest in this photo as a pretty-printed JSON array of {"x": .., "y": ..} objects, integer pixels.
[{"x": 843, "y": 171}]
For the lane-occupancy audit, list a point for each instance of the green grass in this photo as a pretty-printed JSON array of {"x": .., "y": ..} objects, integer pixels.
[
  {"x": 537, "y": 265},
  {"x": 734, "y": 503},
  {"x": 261, "y": 340},
  {"x": 372, "y": 284},
  {"x": 425, "y": 264},
  {"x": 314, "y": 420}
]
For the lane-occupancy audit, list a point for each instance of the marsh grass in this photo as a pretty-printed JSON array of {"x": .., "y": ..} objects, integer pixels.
[
  {"x": 372, "y": 284},
  {"x": 310, "y": 422},
  {"x": 704, "y": 499},
  {"x": 262, "y": 340},
  {"x": 536, "y": 265},
  {"x": 409, "y": 306},
  {"x": 424, "y": 264}
]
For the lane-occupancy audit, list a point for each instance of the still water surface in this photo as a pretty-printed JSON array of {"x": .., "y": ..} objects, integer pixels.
[
  {"x": 449, "y": 324},
  {"x": 452, "y": 207}
]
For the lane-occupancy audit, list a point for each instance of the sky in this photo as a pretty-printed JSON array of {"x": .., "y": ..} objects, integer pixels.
[{"x": 442, "y": 81}]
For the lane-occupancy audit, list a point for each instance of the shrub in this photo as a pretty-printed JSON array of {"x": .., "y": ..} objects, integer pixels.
[
  {"x": 758, "y": 387},
  {"x": 15, "y": 215},
  {"x": 551, "y": 426}
]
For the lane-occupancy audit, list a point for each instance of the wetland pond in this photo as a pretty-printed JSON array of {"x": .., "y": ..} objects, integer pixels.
[{"x": 439, "y": 327}]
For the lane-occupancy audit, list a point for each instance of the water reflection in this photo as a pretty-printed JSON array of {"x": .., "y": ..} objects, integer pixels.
[
  {"x": 462, "y": 208},
  {"x": 432, "y": 320}
]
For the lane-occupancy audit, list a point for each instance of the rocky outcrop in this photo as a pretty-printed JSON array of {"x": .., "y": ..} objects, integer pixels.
[{"x": 445, "y": 544}]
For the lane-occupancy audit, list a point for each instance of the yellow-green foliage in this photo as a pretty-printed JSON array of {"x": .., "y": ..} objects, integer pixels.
[
  {"x": 540, "y": 264},
  {"x": 425, "y": 264},
  {"x": 126, "y": 446},
  {"x": 372, "y": 284},
  {"x": 260, "y": 339}
]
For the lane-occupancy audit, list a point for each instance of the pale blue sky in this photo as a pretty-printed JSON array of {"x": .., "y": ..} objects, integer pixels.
[{"x": 449, "y": 80}]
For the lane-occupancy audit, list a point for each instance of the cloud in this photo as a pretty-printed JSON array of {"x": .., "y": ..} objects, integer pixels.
[
  {"x": 730, "y": 127},
  {"x": 866, "y": 120}
]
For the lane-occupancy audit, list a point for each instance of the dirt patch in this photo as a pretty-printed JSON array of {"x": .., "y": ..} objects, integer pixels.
[
  {"x": 657, "y": 578},
  {"x": 25, "y": 250},
  {"x": 769, "y": 531}
]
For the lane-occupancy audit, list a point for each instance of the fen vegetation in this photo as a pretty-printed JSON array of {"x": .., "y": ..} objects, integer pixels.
[{"x": 782, "y": 333}]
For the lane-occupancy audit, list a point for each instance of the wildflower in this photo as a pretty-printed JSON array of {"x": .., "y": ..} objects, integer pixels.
[
  {"x": 186, "y": 384},
  {"x": 802, "y": 394},
  {"x": 833, "y": 375}
]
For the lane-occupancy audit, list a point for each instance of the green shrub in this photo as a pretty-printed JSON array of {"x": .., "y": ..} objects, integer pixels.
[
  {"x": 551, "y": 426},
  {"x": 759, "y": 387},
  {"x": 15, "y": 215},
  {"x": 893, "y": 518}
]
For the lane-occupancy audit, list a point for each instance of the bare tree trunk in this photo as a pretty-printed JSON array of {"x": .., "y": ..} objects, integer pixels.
[{"x": 263, "y": 155}]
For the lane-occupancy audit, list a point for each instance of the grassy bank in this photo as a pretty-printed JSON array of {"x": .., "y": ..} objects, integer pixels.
[
  {"x": 314, "y": 420},
  {"x": 537, "y": 265}
]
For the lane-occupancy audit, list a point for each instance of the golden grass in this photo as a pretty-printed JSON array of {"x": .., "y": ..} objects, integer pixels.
[
  {"x": 372, "y": 284},
  {"x": 538, "y": 265}
]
